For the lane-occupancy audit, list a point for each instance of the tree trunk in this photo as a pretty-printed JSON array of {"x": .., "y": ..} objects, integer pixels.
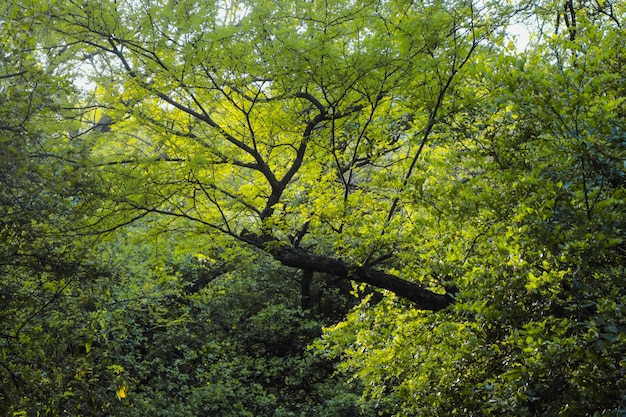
[{"x": 305, "y": 289}]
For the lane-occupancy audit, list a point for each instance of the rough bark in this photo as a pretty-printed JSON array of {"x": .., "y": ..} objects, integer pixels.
[{"x": 301, "y": 259}]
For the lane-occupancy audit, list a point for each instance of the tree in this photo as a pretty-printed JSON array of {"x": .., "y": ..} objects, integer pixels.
[
  {"x": 45, "y": 269},
  {"x": 537, "y": 234},
  {"x": 291, "y": 127}
]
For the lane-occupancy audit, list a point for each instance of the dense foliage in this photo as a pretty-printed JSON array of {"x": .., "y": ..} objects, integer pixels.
[{"x": 293, "y": 208}]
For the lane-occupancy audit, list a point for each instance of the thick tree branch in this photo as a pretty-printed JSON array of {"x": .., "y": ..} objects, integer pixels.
[
  {"x": 280, "y": 186},
  {"x": 299, "y": 258}
]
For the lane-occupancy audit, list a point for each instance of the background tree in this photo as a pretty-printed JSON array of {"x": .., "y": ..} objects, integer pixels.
[
  {"x": 536, "y": 231},
  {"x": 45, "y": 268}
]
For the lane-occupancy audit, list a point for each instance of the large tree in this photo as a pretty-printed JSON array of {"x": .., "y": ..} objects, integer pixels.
[{"x": 293, "y": 127}]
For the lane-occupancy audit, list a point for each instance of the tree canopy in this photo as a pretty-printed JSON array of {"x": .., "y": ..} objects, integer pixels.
[
  {"x": 279, "y": 125},
  {"x": 312, "y": 208}
]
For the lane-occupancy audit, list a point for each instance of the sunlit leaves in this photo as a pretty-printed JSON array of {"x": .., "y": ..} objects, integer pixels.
[
  {"x": 400, "y": 135},
  {"x": 258, "y": 93},
  {"x": 528, "y": 219}
]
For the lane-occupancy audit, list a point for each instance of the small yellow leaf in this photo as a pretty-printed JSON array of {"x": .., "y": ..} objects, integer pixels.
[{"x": 121, "y": 392}]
